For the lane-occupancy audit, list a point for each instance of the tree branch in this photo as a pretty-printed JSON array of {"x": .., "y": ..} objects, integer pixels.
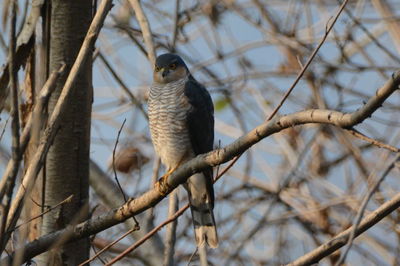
[{"x": 146, "y": 31}]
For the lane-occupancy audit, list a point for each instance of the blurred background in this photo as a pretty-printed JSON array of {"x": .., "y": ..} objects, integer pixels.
[{"x": 289, "y": 193}]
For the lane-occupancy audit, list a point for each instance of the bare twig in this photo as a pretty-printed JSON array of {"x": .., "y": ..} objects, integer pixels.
[
  {"x": 108, "y": 247},
  {"x": 191, "y": 256},
  {"x": 148, "y": 235},
  {"x": 137, "y": 227},
  {"x": 4, "y": 129},
  {"x": 67, "y": 200},
  {"x": 113, "y": 161},
  {"x": 146, "y": 31},
  {"x": 375, "y": 142},
  {"x": 176, "y": 21},
  {"x": 117, "y": 248}
]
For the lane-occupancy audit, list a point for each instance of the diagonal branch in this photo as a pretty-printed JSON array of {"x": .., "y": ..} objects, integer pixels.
[
  {"x": 217, "y": 157},
  {"x": 146, "y": 31}
]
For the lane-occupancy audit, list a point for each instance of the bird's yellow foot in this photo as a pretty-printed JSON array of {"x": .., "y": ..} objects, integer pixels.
[{"x": 162, "y": 184}]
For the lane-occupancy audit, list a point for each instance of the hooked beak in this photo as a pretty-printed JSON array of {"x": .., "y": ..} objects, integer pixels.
[{"x": 164, "y": 72}]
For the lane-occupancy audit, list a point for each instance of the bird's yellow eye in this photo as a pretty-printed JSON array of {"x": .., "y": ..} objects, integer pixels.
[
  {"x": 172, "y": 66},
  {"x": 157, "y": 69}
]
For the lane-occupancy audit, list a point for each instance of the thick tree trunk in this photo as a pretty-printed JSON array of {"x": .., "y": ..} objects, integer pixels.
[{"x": 67, "y": 164}]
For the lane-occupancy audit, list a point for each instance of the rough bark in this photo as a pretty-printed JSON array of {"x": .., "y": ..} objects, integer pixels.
[{"x": 67, "y": 164}]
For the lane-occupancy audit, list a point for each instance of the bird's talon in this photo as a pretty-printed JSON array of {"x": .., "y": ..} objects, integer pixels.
[{"x": 162, "y": 185}]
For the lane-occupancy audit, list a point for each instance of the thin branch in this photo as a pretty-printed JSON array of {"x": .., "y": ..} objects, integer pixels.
[
  {"x": 67, "y": 200},
  {"x": 176, "y": 21},
  {"x": 117, "y": 248},
  {"x": 216, "y": 157},
  {"x": 146, "y": 31},
  {"x": 149, "y": 234},
  {"x": 375, "y": 142},
  {"x": 113, "y": 161},
  {"x": 107, "y": 247},
  {"x": 4, "y": 129}
]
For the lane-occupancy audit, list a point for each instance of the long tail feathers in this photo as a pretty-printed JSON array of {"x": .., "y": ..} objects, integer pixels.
[{"x": 204, "y": 226}]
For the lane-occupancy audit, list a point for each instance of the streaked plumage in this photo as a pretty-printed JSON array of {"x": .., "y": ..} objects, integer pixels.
[{"x": 181, "y": 117}]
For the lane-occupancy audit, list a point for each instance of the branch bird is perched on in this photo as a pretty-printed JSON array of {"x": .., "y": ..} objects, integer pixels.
[{"x": 181, "y": 117}]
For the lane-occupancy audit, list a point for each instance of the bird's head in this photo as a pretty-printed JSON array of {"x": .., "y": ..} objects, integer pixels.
[{"x": 169, "y": 68}]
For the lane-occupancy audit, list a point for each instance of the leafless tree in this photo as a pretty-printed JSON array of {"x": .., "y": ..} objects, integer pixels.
[{"x": 306, "y": 158}]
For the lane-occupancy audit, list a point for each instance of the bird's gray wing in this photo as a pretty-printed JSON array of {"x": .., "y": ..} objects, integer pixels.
[
  {"x": 200, "y": 119},
  {"x": 200, "y": 122}
]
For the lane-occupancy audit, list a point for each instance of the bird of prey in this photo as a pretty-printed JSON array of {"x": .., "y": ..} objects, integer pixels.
[{"x": 181, "y": 117}]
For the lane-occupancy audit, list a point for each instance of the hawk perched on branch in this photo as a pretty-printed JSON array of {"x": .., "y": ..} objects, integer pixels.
[{"x": 181, "y": 116}]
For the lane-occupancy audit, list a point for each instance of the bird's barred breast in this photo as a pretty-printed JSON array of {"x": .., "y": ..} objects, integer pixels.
[{"x": 168, "y": 108}]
